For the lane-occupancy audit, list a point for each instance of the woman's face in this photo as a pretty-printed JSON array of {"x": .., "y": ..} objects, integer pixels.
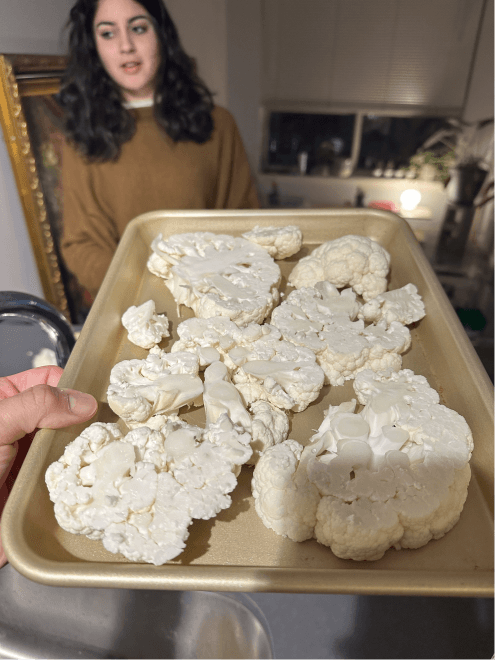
[{"x": 128, "y": 46}]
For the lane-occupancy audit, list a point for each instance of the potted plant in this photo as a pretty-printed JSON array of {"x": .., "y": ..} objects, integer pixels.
[{"x": 460, "y": 156}]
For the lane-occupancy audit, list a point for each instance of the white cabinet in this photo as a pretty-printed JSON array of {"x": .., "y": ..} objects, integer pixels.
[{"x": 369, "y": 53}]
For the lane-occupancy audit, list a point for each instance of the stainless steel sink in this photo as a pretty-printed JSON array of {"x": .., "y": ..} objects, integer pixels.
[{"x": 38, "y": 621}]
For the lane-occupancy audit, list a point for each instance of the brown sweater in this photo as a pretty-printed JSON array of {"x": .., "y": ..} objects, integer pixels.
[{"x": 152, "y": 173}]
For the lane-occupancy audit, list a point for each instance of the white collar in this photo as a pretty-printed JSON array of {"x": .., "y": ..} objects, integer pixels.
[{"x": 139, "y": 103}]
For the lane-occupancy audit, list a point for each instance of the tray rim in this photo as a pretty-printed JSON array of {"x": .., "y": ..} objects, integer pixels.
[
  {"x": 205, "y": 577},
  {"x": 250, "y": 579}
]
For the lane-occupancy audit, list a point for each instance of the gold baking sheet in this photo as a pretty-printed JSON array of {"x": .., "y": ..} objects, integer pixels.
[{"x": 235, "y": 552}]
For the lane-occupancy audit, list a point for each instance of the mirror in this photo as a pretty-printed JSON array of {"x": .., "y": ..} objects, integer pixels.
[{"x": 31, "y": 121}]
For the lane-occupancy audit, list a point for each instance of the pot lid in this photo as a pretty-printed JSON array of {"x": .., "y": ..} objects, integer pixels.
[{"x": 33, "y": 333}]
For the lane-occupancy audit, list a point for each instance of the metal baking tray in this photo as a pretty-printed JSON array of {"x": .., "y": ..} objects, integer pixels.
[{"x": 235, "y": 552}]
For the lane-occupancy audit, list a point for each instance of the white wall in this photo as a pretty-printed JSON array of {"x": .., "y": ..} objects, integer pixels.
[
  {"x": 244, "y": 62},
  {"x": 18, "y": 270},
  {"x": 202, "y": 27},
  {"x": 225, "y": 38},
  {"x": 33, "y": 26}
]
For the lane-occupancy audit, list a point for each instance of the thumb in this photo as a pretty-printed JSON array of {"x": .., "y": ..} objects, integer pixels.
[{"x": 43, "y": 406}]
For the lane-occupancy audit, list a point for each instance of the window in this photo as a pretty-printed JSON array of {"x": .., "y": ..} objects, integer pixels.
[
  {"x": 341, "y": 144},
  {"x": 392, "y": 141},
  {"x": 327, "y": 140}
]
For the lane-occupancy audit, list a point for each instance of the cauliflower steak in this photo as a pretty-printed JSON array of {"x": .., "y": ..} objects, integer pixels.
[
  {"x": 393, "y": 475},
  {"x": 140, "y": 492},
  {"x": 218, "y": 275}
]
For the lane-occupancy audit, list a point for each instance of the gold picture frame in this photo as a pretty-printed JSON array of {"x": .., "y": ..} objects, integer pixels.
[{"x": 31, "y": 121}]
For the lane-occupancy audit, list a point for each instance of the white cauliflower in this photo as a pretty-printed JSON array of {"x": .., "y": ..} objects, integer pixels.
[
  {"x": 269, "y": 426},
  {"x": 319, "y": 318},
  {"x": 222, "y": 397},
  {"x": 266, "y": 424},
  {"x": 403, "y": 305},
  {"x": 279, "y": 242},
  {"x": 218, "y": 275},
  {"x": 393, "y": 475},
  {"x": 307, "y": 311},
  {"x": 272, "y": 369},
  {"x": 346, "y": 350},
  {"x": 138, "y": 494},
  {"x": 161, "y": 384},
  {"x": 351, "y": 260},
  {"x": 262, "y": 365},
  {"x": 212, "y": 339},
  {"x": 387, "y": 344},
  {"x": 411, "y": 404},
  {"x": 145, "y": 327},
  {"x": 284, "y": 499}
]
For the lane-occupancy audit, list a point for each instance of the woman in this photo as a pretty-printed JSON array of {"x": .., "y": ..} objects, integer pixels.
[{"x": 143, "y": 132}]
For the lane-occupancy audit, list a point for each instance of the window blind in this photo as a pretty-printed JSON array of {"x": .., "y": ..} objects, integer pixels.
[{"x": 414, "y": 53}]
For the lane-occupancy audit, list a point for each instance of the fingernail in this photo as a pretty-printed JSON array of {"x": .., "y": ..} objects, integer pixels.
[{"x": 81, "y": 403}]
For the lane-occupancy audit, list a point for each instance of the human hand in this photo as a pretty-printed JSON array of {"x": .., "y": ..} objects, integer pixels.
[{"x": 29, "y": 401}]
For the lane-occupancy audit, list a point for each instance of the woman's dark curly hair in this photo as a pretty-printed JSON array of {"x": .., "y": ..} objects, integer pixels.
[{"x": 96, "y": 121}]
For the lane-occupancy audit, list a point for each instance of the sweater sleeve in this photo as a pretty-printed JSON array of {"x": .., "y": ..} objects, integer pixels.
[
  {"x": 89, "y": 237},
  {"x": 236, "y": 185}
]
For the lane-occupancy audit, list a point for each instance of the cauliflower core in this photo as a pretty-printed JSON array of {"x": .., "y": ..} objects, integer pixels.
[
  {"x": 217, "y": 275},
  {"x": 279, "y": 242},
  {"x": 393, "y": 475},
  {"x": 322, "y": 319},
  {"x": 267, "y": 424},
  {"x": 356, "y": 261},
  {"x": 145, "y": 327},
  {"x": 139, "y": 493}
]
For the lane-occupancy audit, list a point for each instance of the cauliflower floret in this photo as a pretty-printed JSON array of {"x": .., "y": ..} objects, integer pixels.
[
  {"x": 387, "y": 344},
  {"x": 157, "y": 265},
  {"x": 406, "y": 400},
  {"x": 404, "y": 305},
  {"x": 269, "y": 426},
  {"x": 208, "y": 474},
  {"x": 212, "y": 339},
  {"x": 160, "y": 384},
  {"x": 352, "y": 260},
  {"x": 138, "y": 494},
  {"x": 393, "y": 475},
  {"x": 145, "y": 327},
  {"x": 279, "y": 242},
  {"x": 319, "y": 318},
  {"x": 272, "y": 369},
  {"x": 283, "y": 497},
  {"x": 346, "y": 350},
  {"x": 359, "y": 530},
  {"x": 307, "y": 311},
  {"x": 278, "y": 371},
  {"x": 218, "y": 275},
  {"x": 430, "y": 514},
  {"x": 69, "y": 488}
]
